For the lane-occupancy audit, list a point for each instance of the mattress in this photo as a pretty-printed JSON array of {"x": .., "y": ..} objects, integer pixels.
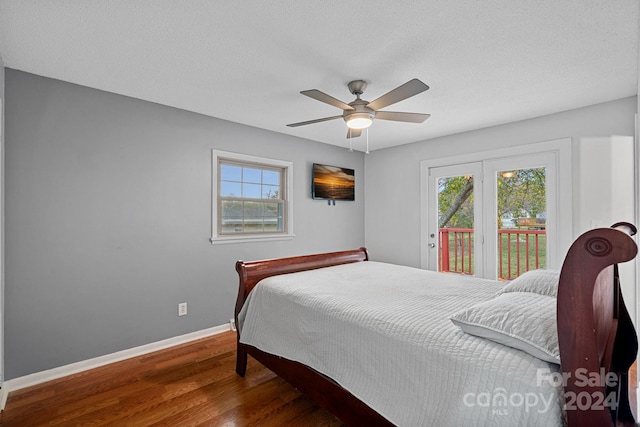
[{"x": 383, "y": 332}]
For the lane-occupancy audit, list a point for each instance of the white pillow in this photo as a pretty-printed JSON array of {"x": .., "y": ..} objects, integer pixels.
[
  {"x": 543, "y": 282},
  {"x": 522, "y": 320}
]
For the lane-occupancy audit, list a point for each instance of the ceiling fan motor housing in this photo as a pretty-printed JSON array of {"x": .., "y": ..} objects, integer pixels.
[{"x": 362, "y": 114}]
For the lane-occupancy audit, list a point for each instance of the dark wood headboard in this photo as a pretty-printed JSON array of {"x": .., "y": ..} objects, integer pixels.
[{"x": 251, "y": 272}]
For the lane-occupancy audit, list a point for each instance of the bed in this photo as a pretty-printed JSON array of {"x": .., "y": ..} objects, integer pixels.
[{"x": 381, "y": 344}]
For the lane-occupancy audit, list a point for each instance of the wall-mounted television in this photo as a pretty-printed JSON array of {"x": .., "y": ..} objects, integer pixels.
[{"x": 333, "y": 183}]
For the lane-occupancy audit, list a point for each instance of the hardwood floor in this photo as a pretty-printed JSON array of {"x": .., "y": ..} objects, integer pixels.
[{"x": 193, "y": 384}]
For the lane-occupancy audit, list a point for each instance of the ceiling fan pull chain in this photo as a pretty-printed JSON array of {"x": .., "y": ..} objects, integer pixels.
[
  {"x": 350, "y": 141},
  {"x": 367, "y": 141}
]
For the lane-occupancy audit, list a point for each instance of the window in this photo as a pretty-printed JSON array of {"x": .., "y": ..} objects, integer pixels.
[{"x": 252, "y": 198}]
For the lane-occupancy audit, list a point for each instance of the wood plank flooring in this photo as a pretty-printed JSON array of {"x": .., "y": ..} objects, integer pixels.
[{"x": 193, "y": 384}]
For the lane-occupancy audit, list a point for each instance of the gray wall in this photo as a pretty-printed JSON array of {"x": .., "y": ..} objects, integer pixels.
[
  {"x": 108, "y": 219},
  {"x": 392, "y": 182},
  {"x": 2, "y": 127}
]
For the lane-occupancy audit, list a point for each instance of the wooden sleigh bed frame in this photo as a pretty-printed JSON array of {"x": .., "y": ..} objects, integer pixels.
[{"x": 595, "y": 332}]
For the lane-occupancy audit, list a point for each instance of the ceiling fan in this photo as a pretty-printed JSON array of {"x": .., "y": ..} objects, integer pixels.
[{"x": 359, "y": 114}]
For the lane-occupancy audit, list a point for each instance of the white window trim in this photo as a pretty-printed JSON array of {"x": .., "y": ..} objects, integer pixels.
[{"x": 288, "y": 167}]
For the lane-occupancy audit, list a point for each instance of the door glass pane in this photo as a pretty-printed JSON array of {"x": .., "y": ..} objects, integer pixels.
[
  {"x": 522, "y": 216},
  {"x": 455, "y": 225}
]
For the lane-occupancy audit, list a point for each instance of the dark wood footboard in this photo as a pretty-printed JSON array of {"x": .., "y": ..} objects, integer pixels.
[{"x": 596, "y": 337}]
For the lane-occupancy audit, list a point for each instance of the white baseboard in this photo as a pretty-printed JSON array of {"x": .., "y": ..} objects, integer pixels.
[{"x": 85, "y": 365}]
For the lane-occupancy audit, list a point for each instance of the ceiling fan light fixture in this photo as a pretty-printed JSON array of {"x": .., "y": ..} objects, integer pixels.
[
  {"x": 359, "y": 113},
  {"x": 359, "y": 120}
]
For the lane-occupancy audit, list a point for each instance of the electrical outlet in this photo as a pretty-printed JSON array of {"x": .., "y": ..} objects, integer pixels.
[
  {"x": 182, "y": 309},
  {"x": 232, "y": 324}
]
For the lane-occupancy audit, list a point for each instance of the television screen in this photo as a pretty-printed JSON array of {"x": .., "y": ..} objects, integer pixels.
[{"x": 333, "y": 183}]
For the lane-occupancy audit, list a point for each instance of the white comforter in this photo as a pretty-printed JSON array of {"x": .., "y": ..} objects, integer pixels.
[{"x": 383, "y": 332}]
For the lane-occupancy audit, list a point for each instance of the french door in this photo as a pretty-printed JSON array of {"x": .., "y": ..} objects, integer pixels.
[
  {"x": 494, "y": 218},
  {"x": 526, "y": 189},
  {"x": 456, "y": 218}
]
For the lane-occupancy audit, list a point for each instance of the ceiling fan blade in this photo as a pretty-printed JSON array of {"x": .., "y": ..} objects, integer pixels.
[
  {"x": 323, "y": 97},
  {"x": 309, "y": 122},
  {"x": 353, "y": 133},
  {"x": 407, "y": 90},
  {"x": 402, "y": 117}
]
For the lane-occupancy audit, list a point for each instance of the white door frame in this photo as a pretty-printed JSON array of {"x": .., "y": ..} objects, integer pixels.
[{"x": 561, "y": 148}]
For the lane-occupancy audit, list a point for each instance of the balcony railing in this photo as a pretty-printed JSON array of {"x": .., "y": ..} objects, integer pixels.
[{"x": 518, "y": 251}]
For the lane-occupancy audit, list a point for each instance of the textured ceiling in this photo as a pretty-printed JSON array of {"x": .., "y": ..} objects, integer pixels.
[{"x": 487, "y": 62}]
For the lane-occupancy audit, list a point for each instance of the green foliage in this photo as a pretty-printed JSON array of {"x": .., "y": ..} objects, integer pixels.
[
  {"x": 522, "y": 195},
  {"x": 450, "y": 198}
]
